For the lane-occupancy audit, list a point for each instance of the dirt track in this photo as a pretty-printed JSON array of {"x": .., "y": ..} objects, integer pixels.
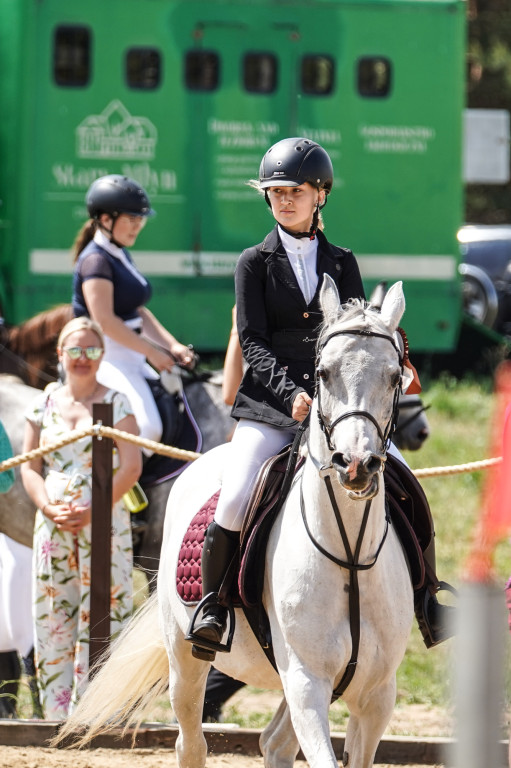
[
  {"x": 416, "y": 720},
  {"x": 35, "y": 757}
]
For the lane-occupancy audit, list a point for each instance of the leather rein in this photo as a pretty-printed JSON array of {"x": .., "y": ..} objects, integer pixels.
[{"x": 351, "y": 563}]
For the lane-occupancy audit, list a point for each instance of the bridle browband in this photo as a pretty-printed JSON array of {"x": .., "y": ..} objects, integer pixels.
[{"x": 351, "y": 563}]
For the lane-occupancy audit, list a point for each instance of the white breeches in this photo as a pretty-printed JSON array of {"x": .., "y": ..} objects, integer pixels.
[
  {"x": 397, "y": 454},
  {"x": 16, "y": 625},
  {"x": 253, "y": 442},
  {"x": 126, "y": 371}
]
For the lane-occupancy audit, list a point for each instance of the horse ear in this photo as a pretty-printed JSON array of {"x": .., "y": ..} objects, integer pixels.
[
  {"x": 378, "y": 294},
  {"x": 329, "y": 300},
  {"x": 393, "y": 306}
]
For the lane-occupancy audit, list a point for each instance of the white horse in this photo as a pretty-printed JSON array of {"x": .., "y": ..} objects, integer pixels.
[{"x": 317, "y": 603}]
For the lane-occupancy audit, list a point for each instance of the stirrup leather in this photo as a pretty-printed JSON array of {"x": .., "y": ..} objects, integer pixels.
[{"x": 201, "y": 642}]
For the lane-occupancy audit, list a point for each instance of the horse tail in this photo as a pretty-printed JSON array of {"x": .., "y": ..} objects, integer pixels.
[{"x": 134, "y": 675}]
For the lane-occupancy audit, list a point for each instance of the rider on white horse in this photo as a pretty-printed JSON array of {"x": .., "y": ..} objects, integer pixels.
[
  {"x": 108, "y": 287},
  {"x": 278, "y": 317}
]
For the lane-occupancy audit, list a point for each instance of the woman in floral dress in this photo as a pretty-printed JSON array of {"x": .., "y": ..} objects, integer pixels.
[{"x": 59, "y": 484}]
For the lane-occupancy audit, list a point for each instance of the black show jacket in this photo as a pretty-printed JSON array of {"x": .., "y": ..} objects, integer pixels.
[{"x": 278, "y": 330}]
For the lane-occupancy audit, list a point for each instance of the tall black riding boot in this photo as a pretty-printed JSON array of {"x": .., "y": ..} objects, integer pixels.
[
  {"x": 10, "y": 673},
  {"x": 220, "y": 547},
  {"x": 436, "y": 621},
  {"x": 407, "y": 500}
]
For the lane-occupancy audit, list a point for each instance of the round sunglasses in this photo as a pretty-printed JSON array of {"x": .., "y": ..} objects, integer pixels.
[{"x": 91, "y": 353}]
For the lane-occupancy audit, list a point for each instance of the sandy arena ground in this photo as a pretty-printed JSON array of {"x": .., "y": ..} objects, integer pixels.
[
  {"x": 33, "y": 757},
  {"x": 417, "y": 720}
]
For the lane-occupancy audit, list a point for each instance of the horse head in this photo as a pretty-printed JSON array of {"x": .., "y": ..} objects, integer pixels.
[{"x": 359, "y": 370}]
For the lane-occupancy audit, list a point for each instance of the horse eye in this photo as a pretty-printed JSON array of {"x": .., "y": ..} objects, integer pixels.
[
  {"x": 322, "y": 374},
  {"x": 396, "y": 380}
]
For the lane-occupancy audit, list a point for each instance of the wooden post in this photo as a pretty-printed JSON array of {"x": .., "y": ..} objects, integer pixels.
[{"x": 101, "y": 535}]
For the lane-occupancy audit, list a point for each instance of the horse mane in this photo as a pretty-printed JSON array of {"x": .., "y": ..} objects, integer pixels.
[
  {"x": 355, "y": 313},
  {"x": 34, "y": 341}
]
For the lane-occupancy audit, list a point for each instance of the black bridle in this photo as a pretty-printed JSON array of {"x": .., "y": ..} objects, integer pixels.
[
  {"x": 327, "y": 429},
  {"x": 420, "y": 408},
  {"x": 351, "y": 563}
]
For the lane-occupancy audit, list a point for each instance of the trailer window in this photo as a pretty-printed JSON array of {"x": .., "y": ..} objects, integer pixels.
[
  {"x": 71, "y": 56},
  {"x": 318, "y": 75},
  {"x": 374, "y": 76},
  {"x": 143, "y": 68},
  {"x": 260, "y": 72},
  {"x": 202, "y": 70}
]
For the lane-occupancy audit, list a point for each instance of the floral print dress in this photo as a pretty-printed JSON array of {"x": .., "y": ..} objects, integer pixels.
[{"x": 61, "y": 563}]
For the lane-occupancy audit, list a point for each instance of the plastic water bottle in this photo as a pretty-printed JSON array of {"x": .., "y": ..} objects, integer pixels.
[{"x": 135, "y": 499}]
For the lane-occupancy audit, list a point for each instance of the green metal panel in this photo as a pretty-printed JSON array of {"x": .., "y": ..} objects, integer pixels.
[{"x": 397, "y": 195}]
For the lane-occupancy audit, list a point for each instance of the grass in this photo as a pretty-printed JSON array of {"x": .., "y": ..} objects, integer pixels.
[{"x": 459, "y": 416}]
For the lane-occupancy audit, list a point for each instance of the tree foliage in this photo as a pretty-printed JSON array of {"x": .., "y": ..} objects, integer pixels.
[{"x": 489, "y": 87}]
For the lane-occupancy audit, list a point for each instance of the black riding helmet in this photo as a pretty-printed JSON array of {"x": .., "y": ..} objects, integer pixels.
[
  {"x": 292, "y": 162},
  {"x": 296, "y": 161},
  {"x": 115, "y": 194}
]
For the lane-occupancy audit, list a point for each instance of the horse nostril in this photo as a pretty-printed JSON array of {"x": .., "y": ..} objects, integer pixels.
[
  {"x": 373, "y": 463},
  {"x": 339, "y": 461}
]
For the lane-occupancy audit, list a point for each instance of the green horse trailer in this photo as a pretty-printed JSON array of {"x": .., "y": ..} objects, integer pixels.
[{"x": 186, "y": 96}]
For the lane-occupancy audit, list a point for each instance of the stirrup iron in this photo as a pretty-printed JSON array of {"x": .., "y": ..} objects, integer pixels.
[{"x": 206, "y": 649}]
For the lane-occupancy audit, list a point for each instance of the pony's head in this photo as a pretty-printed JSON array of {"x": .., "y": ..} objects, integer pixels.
[{"x": 359, "y": 370}]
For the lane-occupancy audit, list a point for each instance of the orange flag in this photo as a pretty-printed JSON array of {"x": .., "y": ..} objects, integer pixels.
[{"x": 494, "y": 523}]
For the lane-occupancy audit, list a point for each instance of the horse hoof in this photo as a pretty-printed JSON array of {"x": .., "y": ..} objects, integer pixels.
[
  {"x": 345, "y": 758},
  {"x": 203, "y": 653}
]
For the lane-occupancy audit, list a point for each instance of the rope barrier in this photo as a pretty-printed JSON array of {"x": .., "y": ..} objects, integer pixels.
[
  {"x": 99, "y": 430},
  {"x": 473, "y": 466}
]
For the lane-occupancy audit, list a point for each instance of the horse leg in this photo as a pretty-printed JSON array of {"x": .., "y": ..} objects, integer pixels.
[
  {"x": 309, "y": 700},
  {"x": 187, "y": 684},
  {"x": 278, "y": 743},
  {"x": 366, "y": 725}
]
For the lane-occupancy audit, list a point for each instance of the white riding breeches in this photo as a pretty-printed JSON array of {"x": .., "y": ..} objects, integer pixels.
[
  {"x": 253, "y": 442},
  {"x": 16, "y": 624},
  {"x": 397, "y": 454},
  {"x": 126, "y": 371}
]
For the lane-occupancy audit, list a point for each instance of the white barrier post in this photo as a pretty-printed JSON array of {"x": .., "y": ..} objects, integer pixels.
[
  {"x": 480, "y": 641},
  {"x": 479, "y": 673}
]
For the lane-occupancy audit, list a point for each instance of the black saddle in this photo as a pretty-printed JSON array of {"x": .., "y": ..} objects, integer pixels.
[{"x": 180, "y": 430}]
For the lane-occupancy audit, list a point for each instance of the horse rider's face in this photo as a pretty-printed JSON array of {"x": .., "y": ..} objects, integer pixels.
[
  {"x": 82, "y": 366},
  {"x": 293, "y": 207},
  {"x": 126, "y": 228}
]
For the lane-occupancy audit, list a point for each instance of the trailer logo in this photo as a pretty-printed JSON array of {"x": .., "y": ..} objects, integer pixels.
[{"x": 116, "y": 134}]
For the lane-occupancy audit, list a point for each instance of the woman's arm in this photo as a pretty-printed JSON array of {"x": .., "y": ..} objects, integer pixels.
[
  {"x": 63, "y": 515},
  {"x": 254, "y": 330},
  {"x": 31, "y": 471},
  {"x": 130, "y": 460},
  {"x": 99, "y": 297},
  {"x": 233, "y": 364},
  {"x": 158, "y": 334}
]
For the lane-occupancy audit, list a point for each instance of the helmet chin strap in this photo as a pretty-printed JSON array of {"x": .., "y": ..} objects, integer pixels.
[
  {"x": 110, "y": 232},
  {"x": 311, "y": 234}
]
